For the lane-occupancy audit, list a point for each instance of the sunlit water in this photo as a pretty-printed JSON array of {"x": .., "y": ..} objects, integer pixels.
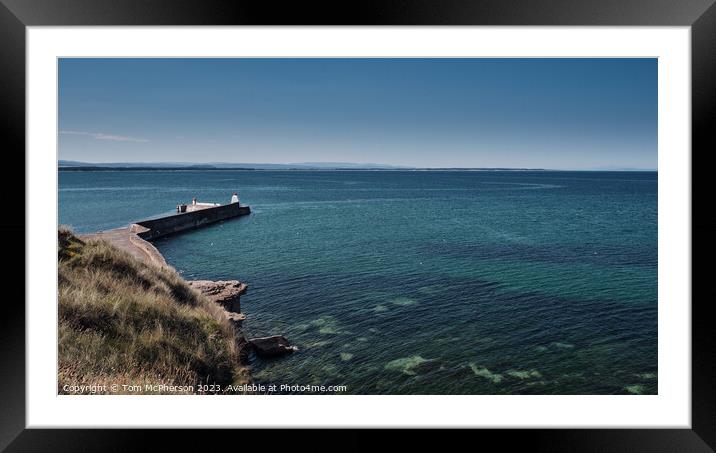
[{"x": 420, "y": 282}]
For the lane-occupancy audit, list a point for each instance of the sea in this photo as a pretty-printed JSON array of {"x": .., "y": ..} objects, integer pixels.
[{"x": 418, "y": 282}]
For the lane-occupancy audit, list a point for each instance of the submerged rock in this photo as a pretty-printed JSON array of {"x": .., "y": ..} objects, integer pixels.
[
  {"x": 403, "y": 301},
  {"x": 636, "y": 389},
  {"x": 527, "y": 374},
  {"x": 276, "y": 345},
  {"x": 407, "y": 365},
  {"x": 226, "y": 293},
  {"x": 483, "y": 372}
]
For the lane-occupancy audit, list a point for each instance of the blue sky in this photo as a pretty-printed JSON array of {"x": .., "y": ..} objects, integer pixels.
[{"x": 536, "y": 113}]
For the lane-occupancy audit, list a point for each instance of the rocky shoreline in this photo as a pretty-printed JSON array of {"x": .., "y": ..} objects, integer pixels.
[{"x": 225, "y": 293}]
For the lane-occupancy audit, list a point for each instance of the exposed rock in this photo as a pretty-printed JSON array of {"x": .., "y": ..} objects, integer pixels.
[
  {"x": 235, "y": 318},
  {"x": 272, "y": 346},
  {"x": 226, "y": 293}
]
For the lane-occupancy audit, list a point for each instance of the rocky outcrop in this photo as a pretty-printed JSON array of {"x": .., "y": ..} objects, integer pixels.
[
  {"x": 274, "y": 346},
  {"x": 226, "y": 293},
  {"x": 235, "y": 319}
]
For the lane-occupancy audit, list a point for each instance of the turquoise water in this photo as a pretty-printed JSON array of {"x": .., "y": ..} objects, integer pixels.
[{"x": 420, "y": 282}]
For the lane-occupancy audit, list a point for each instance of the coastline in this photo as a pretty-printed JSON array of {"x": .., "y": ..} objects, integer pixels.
[
  {"x": 127, "y": 239},
  {"x": 128, "y": 322},
  {"x": 226, "y": 293},
  {"x": 135, "y": 240}
]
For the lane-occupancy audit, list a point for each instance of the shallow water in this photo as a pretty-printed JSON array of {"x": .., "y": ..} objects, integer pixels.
[{"x": 421, "y": 282}]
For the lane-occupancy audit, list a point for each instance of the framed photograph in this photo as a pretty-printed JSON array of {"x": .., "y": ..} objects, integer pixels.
[{"x": 471, "y": 216}]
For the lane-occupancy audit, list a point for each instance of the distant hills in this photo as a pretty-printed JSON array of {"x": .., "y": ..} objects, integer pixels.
[
  {"x": 73, "y": 165},
  {"x": 68, "y": 164},
  {"x": 96, "y": 166}
]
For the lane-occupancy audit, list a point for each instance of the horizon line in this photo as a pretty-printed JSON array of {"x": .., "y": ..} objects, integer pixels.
[{"x": 324, "y": 166}]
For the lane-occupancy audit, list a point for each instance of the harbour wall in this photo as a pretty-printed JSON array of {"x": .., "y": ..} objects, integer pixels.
[{"x": 164, "y": 226}]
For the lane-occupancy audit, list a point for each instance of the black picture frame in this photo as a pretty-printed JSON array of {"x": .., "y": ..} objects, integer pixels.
[{"x": 16, "y": 15}]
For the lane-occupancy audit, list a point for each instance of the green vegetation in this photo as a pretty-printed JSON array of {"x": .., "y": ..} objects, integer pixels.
[{"x": 122, "y": 321}]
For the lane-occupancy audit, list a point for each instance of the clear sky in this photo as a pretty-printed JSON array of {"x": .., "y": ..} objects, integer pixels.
[{"x": 536, "y": 113}]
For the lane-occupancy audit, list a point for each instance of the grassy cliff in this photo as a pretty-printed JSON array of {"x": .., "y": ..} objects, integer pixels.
[{"x": 122, "y": 321}]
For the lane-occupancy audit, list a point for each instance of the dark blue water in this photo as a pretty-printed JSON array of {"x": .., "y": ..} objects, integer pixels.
[{"x": 421, "y": 282}]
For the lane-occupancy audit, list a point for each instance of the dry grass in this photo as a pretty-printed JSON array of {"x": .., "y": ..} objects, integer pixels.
[{"x": 122, "y": 321}]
